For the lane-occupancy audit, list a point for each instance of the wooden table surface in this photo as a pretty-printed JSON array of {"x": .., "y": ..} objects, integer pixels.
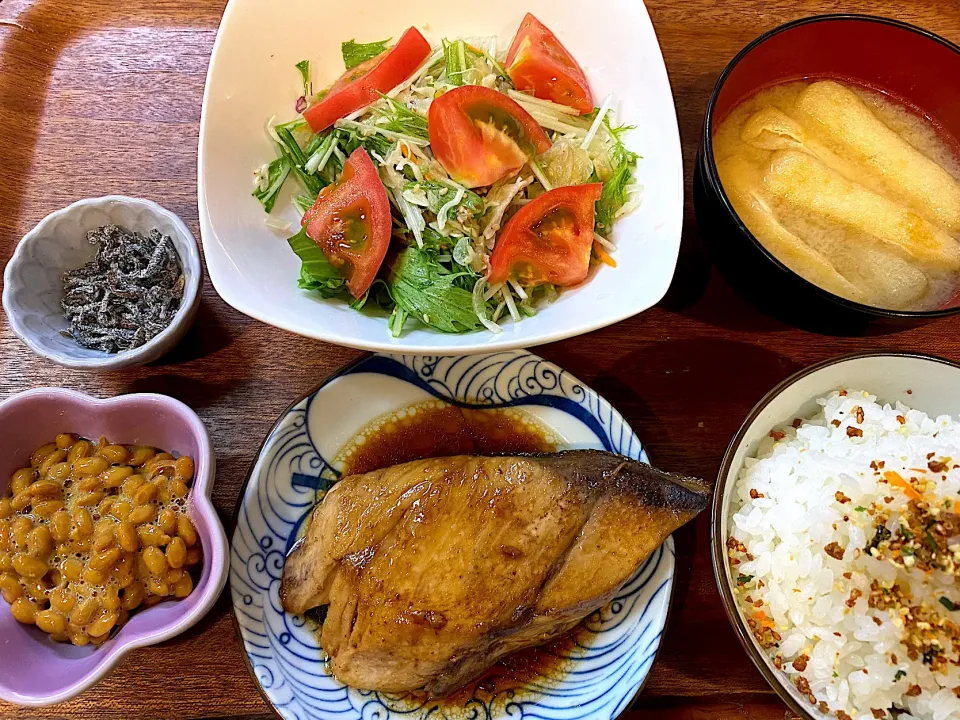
[{"x": 103, "y": 96}]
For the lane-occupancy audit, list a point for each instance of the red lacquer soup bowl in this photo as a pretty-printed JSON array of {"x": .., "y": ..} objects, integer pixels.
[{"x": 917, "y": 68}]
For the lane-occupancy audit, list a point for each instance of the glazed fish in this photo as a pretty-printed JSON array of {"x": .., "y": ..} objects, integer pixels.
[{"x": 436, "y": 569}]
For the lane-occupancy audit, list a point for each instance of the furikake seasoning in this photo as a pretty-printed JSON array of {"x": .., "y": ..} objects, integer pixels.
[{"x": 126, "y": 295}]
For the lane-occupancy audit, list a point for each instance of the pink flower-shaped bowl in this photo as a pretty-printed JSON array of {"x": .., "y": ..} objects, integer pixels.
[{"x": 36, "y": 671}]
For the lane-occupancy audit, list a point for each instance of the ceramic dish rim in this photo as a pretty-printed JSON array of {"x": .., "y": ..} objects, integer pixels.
[
  {"x": 718, "y": 556},
  {"x": 712, "y": 176}
]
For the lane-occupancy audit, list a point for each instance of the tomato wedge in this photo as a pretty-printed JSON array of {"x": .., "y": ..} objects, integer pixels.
[
  {"x": 361, "y": 85},
  {"x": 538, "y": 63},
  {"x": 480, "y": 135},
  {"x": 350, "y": 222},
  {"x": 549, "y": 239}
]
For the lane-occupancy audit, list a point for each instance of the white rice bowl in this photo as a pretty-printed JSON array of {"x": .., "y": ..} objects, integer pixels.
[{"x": 821, "y": 487}]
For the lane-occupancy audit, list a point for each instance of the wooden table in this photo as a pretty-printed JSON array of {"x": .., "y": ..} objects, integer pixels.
[{"x": 103, "y": 96}]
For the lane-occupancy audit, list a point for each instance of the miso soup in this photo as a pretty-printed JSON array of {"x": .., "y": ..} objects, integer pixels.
[{"x": 849, "y": 189}]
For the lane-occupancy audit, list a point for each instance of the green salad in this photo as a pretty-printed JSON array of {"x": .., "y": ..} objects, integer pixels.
[{"x": 451, "y": 186}]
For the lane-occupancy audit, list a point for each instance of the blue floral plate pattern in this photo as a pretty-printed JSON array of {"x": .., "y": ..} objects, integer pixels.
[{"x": 614, "y": 649}]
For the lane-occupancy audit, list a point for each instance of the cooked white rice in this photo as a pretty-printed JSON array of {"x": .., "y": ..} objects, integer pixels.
[{"x": 819, "y": 491}]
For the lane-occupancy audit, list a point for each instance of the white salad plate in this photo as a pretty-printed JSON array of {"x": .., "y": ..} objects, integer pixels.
[
  {"x": 615, "y": 648},
  {"x": 252, "y": 78}
]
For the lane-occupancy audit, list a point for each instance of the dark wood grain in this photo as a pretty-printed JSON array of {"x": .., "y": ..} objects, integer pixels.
[{"x": 101, "y": 96}]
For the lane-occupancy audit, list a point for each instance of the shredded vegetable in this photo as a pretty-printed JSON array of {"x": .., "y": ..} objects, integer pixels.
[
  {"x": 304, "y": 67},
  {"x": 355, "y": 53},
  {"x": 443, "y": 233}
]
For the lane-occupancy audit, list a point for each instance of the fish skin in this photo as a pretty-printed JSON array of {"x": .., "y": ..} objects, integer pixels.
[
  {"x": 435, "y": 569},
  {"x": 642, "y": 479}
]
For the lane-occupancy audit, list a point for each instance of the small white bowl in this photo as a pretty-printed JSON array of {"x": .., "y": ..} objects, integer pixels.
[
  {"x": 922, "y": 382},
  {"x": 32, "y": 287}
]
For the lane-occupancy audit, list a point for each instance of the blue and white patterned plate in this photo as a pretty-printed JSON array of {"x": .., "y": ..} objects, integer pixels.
[{"x": 599, "y": 674}]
